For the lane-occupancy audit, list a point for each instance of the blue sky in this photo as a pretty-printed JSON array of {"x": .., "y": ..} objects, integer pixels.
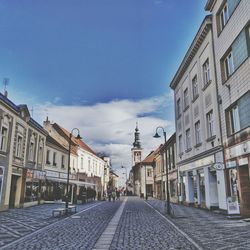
[{"x": 84, "y": 53}]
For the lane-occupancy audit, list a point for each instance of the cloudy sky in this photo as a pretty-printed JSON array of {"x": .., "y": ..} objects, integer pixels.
[{"x": 99, "y": 65}]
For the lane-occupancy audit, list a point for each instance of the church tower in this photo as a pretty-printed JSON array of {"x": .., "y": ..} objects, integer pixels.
[{"x": 136, "y": 150}]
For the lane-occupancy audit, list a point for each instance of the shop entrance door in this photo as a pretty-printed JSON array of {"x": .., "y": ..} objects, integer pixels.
[{"x": 13, "y": 188}]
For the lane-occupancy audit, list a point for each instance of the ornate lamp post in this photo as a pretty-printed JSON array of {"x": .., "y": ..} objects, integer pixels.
[
  {"x": 165, "y": 141},
  {"x": 67, "y": 186}
]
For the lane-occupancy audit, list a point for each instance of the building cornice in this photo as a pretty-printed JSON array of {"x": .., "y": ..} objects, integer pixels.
[
  {"x": 209, "y": 5},
  {"x": 200, "y": 156},
  {"x": 205, "y": 27}
]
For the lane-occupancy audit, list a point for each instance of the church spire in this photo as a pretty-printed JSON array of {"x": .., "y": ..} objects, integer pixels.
[{"x": 137, "y": 143}]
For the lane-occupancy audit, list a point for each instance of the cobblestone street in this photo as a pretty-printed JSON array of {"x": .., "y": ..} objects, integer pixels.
[{"x": 138, "y": 225}]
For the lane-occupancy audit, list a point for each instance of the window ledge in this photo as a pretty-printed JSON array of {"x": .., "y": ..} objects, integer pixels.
[
  {"x": 198, "y": 145},
  {"x": 206, "y": 86},
  {"x": 188, "y": 150},
  {"x": 211, "y": 138},
  {"x": 186, "y": 108},
  {"x": 195, "y": 98}
]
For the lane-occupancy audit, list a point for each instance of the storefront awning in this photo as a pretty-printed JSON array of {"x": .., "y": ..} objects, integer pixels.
[{"x": 78, "y": 183}]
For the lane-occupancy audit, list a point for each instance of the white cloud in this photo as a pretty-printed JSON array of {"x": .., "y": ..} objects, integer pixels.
[{"x": 109, "y": 127}]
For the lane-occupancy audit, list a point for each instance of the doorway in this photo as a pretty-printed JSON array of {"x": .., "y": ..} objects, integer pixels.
[{"x": 13, "y": 189}]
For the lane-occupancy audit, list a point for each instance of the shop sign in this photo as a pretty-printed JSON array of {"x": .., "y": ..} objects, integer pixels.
[
  {"x": 52, "y": 174},
  {"x": 63, "y": 176},
  {"x": 218, "y": 166},
  {"x": 243, "y": 161},
  {"x": 238, "y": 150},
  {"x": 233, "y": 207},
  {"x": 199, "y": 163},
  {"x": 231, "y": 164},
  {"x": 39, "y": 174}
]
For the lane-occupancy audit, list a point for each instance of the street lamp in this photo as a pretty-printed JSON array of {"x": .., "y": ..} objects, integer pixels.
[
  {"x": 126, "y": 178},
  {"x": 165, "y": 142},
  {"x": 67, "y": 186}
]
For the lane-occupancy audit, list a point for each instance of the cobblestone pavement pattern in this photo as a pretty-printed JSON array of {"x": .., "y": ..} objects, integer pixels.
[
  {"x": 140, "y": 227},
  {"x": 209, "y": 229},
  {"x": 16, "y": 223}
]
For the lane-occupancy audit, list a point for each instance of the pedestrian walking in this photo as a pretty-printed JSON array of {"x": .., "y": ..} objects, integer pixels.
[
  {"x": 117, "y": 194},
  {"x": 113, "y": 195}
]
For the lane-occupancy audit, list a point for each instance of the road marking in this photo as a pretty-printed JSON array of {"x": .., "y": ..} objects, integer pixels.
[
  {"x": 177, "y": 228},
  {"x": 46, "y": 227},
  {"x": 107, "y": 236}
]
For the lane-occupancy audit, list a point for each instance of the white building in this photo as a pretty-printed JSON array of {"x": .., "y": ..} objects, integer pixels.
[
  {"x": 198, "y": 136},
  {"x": 231, "y": 34}
]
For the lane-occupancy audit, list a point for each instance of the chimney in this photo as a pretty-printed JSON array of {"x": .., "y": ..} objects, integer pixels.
[
  {"x": 6, "y": 93},
  {"x": 46, "y": 124}
]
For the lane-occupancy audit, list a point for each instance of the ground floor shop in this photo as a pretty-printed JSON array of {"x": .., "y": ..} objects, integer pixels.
[
  {"x": 238, "y": 179},
  {"x": 202, "y": 182}
]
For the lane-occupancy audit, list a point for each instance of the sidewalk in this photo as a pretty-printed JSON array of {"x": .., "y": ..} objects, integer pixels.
[
  {"x": 207, "y": 228},
  {"x": 15, "y": 223}
]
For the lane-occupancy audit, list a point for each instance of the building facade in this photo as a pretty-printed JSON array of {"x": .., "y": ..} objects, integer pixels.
[
  {"x": 231, "y": 35},
  {"x": 198, "y": 136}
]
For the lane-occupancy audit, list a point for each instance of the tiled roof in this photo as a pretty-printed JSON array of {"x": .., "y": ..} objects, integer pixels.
[
  {"x": 53, "y": 141},
  {"x": 78, "y": 142},
  {"x": 150, "y": 158}
]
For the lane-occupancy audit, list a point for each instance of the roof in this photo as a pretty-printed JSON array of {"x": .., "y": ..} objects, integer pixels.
[
  {"x": 150, "y": 158},
  {"x": 195, "y": 45},
  {"x": 53, "y": 141},
  {"x": 19, "y": 108},
  {"x": 75, "y": 141}
]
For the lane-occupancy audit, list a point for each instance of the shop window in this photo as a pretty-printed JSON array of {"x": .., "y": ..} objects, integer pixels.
[
  {"x": 172, "y": 188},
  {"x": 234, "y": 184}
]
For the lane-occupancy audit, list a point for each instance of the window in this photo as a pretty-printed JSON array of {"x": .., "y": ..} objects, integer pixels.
[
  {"x": 149, "y": 172},
  {"x": 195, "y": 87},
  {"x": 178, "y": 107},
  {"x": 40, "y": 153},
  {"x": 188, "y": 139},
  {"x": 210, "y": 124},
  {"x": 19, "y": 146},
  {"x": 4, "y": 132},
  {"x": 63, "y": 161},
  {"x": 186, "y": 98},
  {"x": 206, "y": 72},
  {"x": 197, "y": 133},
  {"x": 48, "y": 157},
  {"x": 81, "y": 163},
  {"x": 229, "y": 64},
  {"x": 89, "y": 167},
  {"x": 238, "y": 115},
  {"x": 180, "y": 144},
  {"x": 54, "y": 159},
  {"x": 31, "y": 151},
  {"x": 224, "y": 16}
]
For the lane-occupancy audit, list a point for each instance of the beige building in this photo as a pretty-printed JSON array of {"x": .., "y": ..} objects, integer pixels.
[
  {"x": 231, "y": 35},
  {"x": 198, "y": 137}
]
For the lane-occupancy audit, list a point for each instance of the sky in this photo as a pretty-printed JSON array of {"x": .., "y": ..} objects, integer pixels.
[{"x": 99, "y": 65}]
